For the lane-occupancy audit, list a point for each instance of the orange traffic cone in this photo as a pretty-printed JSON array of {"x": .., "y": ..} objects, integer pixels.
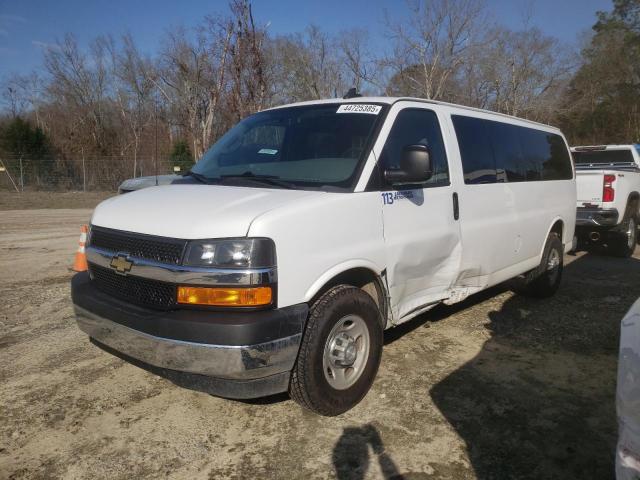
[{"x": 80, "y": 262}]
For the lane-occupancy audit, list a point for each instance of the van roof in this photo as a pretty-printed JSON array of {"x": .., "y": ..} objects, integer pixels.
[{"x": 392, "y": 100}]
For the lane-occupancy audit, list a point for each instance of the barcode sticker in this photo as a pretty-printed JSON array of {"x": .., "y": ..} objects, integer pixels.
[{"x": 359, "y": 108}]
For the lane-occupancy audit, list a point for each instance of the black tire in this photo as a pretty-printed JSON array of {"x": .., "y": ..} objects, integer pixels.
[
  {"x": 309, "y": 386},
  {"x": 623, "y": 241},
  {"x": 543, "y": 282}
]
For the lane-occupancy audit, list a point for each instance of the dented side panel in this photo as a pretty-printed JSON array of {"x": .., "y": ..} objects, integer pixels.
[{"x": 422, "y": 238}]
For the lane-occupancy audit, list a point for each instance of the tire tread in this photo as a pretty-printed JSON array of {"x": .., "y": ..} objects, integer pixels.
[{"x": 300, "y": 376}]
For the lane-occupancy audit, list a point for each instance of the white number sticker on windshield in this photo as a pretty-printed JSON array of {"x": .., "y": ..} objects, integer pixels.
[{"x": 359, "y": 108}]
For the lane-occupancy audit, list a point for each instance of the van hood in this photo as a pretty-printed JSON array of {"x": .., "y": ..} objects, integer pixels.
[{"x": 193, "y": 211}]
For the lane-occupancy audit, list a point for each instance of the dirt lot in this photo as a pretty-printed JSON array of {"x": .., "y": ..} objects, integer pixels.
[
  {"x": 497, "y": 387},
  {"x": 11, "y": 200}
]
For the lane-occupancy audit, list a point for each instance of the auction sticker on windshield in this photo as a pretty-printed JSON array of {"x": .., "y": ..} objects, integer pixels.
[{"x": 359, "y": 108}]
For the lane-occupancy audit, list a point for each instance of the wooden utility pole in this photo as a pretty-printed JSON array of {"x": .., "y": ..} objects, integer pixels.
[
  {"x": 21, "y": 175},
  {"x": 155, "y": 142},
  {"x": 84, "y": 172}
]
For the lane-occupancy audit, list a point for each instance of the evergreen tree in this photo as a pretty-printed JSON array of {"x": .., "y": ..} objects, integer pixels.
[
  {"x": 604, "y": 96},
  {"x": 181, "y": 156},
  {"x": 23, "y": 143}
]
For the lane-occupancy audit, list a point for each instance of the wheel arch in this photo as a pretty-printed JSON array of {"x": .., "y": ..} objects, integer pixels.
[
  {"x": 557, "y": 225},
  {"x": 366, "y": 276},
  {"x": 634, "y": 197}
]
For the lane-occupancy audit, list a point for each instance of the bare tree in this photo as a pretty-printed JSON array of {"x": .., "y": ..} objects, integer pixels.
[
  {"x": 521, "y": 73},
  {"x": 80, "y": 84},
  {"x": 15, "y": 95},
  {"x": 193, "y": 78},
  {"x": 361, "y": 69},
  {"x": 308, "y": 67},
  {"x": 248, "y": 89},
  {"x": 101, "y": 100},
  {"x": 433, "y": 43},
  {"x": 530, "y": 70},
  {"x": 134, "y": 92}
]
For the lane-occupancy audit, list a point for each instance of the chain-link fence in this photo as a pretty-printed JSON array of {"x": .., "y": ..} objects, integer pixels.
[{"x": 103, "y": 173}]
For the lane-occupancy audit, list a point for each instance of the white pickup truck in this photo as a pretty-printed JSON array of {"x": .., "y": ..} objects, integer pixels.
[{"x": 608, "y": 190}]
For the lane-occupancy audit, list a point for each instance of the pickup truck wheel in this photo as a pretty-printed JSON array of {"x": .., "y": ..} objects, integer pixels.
[
  {"x": 340, "y": 352},
  {"x": 544, "y": 281},
  {"x": 624, "y": 241}
]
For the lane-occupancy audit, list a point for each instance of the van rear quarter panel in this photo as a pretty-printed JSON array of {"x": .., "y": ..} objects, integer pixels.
[
  {"x": 320, "y": 237},
  {"x": 539, "y": 205},
  {"x": 505, "y": 225}
]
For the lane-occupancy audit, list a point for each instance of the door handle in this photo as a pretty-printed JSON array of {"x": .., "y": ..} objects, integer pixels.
[{"x": 456, "y": 206}]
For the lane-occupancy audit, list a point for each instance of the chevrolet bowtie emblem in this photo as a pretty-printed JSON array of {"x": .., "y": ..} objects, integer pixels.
[{"x": 120, "y": 264}]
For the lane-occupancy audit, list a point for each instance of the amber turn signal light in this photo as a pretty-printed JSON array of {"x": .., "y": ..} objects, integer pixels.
[{"x": 225, "y": 297}]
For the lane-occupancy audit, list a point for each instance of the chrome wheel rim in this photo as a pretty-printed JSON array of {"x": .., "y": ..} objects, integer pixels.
[
  {"x": 554, "y": 260},
  {"x": 346, "y": 352},
  {"x": 631, "y": 241},
  {"x": 553, "y": 264}
]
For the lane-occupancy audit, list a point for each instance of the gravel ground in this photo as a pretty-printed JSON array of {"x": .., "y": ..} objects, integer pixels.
[
  {"x": 11, "y": 200},
  {"x": 499, "y": 386}
]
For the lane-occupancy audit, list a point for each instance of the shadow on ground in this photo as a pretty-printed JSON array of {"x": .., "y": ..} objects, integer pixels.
[
  {"x": 355, "y": 450},
  {"x": 539, "y": 400}
]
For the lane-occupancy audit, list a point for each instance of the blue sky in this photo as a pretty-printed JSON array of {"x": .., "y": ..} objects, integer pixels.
[{"x": 26, "y": 26}]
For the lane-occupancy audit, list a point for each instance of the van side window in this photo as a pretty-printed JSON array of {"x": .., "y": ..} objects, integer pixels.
[
  {"x": 545, "y": 154},
  {"x": 417, "y": 126},
  {"x": 489, "y": 148},
  {"x": 533, "y": 146},
  {"x": 478, "y": 162},
  {"x": 506, "y": 149}
]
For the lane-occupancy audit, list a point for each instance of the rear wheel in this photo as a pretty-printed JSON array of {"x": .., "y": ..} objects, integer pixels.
[
  {"x": 624, "y": 241},
  {"x": 544, "y": 281},
  {"x": 340, "y": 352}
]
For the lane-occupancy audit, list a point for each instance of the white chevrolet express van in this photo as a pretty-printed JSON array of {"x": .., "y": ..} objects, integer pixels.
[{"x": 309, "y": 229}]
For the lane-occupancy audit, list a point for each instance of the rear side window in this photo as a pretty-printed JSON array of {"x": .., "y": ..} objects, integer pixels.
[
  {"x": 478, "y": 162},
  {"x": 417, "y": 126},
  {"x": 507, "y": 151},
  {"x": 496, "y": 151},
  {"x": 545, "y": 155},
  {"x": 558, "y": 164}
]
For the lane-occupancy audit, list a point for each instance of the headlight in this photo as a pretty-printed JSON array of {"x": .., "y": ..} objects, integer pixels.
[{"x": 231, "y": 253}]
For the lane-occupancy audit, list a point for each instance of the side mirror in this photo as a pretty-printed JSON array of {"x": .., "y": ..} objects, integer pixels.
[{"x": 415, "y": 166}]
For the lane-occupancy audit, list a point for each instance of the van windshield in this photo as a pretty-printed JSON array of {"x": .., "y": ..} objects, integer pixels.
[
  {"x": 314, "y": 146},
  {"x": 587, "y": 157}
]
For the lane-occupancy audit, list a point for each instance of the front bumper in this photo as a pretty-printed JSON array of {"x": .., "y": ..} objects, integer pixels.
[
  {"x": 246, "y": 354},
  {"x": 596, "y": 217}
]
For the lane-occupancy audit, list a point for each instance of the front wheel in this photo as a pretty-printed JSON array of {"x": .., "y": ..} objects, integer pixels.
[
  {"x": 340, "y": 352},
  {"x": 544, "y": 281}
]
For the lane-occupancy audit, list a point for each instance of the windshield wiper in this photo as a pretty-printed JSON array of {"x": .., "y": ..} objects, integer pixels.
[
  {"x": 201, "y": 178},
  {"x": 268, "y": 179}
]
